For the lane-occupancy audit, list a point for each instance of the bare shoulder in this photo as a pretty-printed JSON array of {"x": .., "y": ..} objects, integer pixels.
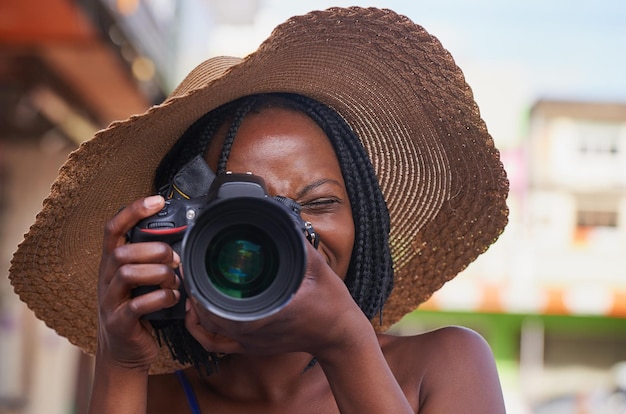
[
  {"x": 450, "y": 345},
  {"x": 450, "y": 369}
]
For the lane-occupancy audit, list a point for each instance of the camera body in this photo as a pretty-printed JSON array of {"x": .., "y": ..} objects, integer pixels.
[{"x": 243, "y": 254}]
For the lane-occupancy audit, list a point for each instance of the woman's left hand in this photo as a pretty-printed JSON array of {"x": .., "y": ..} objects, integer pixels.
[{"x": 321, "y": 315}]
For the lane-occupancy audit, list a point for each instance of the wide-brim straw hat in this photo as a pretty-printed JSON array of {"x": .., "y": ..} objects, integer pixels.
[{"x": 394, "y": 84}]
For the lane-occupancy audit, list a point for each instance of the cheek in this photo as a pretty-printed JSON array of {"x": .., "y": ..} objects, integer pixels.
[{"x": 336, "y": 243}]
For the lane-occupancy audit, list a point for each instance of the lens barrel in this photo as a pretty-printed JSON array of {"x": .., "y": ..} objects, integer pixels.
[{"x": 244, "y": 257}]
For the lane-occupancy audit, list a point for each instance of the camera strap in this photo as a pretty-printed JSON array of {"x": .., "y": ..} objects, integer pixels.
[{"x": 193, "y": 180}]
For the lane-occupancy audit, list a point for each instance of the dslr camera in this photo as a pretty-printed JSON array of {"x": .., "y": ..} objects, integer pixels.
[{"x": 243, "y": 254}]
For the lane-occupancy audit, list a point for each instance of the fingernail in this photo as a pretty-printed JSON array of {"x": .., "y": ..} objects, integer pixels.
[
  {"x": 153, "y": 201},
  {"x": 187, "y": 305}
]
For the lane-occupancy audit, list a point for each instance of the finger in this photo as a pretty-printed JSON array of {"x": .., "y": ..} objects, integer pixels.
[
  {"x": 129, "y": 277},
  {"x": 116, "y": 229},
  {"x": 125, "y": 321},
  {"x": 210, "y": 340},
  {"x": 151, "y": 302},
  {"x": 146, "y": 252},
  {"x": 139, "y": 253}
]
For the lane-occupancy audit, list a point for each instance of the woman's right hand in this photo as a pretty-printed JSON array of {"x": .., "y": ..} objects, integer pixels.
[{"x": 124, "y": 339}]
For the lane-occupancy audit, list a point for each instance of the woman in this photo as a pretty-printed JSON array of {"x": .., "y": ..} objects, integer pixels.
[{"x": 347, "y": 112}]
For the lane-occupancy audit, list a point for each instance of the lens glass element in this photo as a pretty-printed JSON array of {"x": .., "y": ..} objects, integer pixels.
[{"x": 241, "y": 261}]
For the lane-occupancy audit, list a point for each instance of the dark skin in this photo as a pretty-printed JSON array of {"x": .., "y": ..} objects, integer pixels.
[{"x": 358, "y": 371}]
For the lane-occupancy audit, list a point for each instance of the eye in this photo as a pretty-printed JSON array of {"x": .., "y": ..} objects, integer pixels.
[{"x": 320, "y": 204}]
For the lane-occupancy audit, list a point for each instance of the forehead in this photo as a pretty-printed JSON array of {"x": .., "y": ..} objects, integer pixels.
[
  {"x": 275, "y": 132},
  {"x": 285, "y": 147},
  {"x": 287, "y": 125}
]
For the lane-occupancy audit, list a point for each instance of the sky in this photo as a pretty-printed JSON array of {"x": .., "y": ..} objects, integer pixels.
[
  {"x": 561, "y": 41},
  {"x": 512, "y": 52}
]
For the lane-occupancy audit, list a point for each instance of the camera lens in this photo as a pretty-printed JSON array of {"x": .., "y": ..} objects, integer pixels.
[
  {"x": 241, "y": 261},
  {"x": 243, "y": 258}
]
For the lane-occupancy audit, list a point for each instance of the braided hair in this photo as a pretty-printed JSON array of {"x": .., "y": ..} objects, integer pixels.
[{"x": 370, "y": 273}]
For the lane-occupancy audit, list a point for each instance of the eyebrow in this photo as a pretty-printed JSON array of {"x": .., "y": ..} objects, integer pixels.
[{"x": 316, "y": 184}]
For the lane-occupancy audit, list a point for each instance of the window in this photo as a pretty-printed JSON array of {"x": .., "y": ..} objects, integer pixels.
[
  {"x": 598, "y": 139},
  {"x": 590, "y": 218},
  {"x": 596, "y": 210}
]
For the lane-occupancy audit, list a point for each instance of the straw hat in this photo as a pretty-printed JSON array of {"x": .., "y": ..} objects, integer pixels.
[{"x": 394, "y": 84}]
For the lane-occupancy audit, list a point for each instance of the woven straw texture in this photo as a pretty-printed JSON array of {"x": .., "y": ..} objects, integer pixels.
[{"x": 396, "y": 86}]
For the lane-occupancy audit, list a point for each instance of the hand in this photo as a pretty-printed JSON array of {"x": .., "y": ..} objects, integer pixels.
[
  {"x": 123, "y": 338},
  {"x": 320, "y": 316}
]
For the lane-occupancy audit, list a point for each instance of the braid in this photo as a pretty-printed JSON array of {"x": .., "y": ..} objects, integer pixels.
[
  {"x": 194, "y": 141},
  {"x": 370, "y": 273},
  {"x": 240, "y": 114}
]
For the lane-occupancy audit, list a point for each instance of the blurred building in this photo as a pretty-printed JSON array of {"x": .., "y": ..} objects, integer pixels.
[
  {"x": 550, "y": 296},
  {"x": 577, "y": 222},
  {"x": 63, "y": 75}
]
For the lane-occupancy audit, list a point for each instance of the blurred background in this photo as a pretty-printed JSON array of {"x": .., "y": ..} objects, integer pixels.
[{"x": 548, "y": 75}]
